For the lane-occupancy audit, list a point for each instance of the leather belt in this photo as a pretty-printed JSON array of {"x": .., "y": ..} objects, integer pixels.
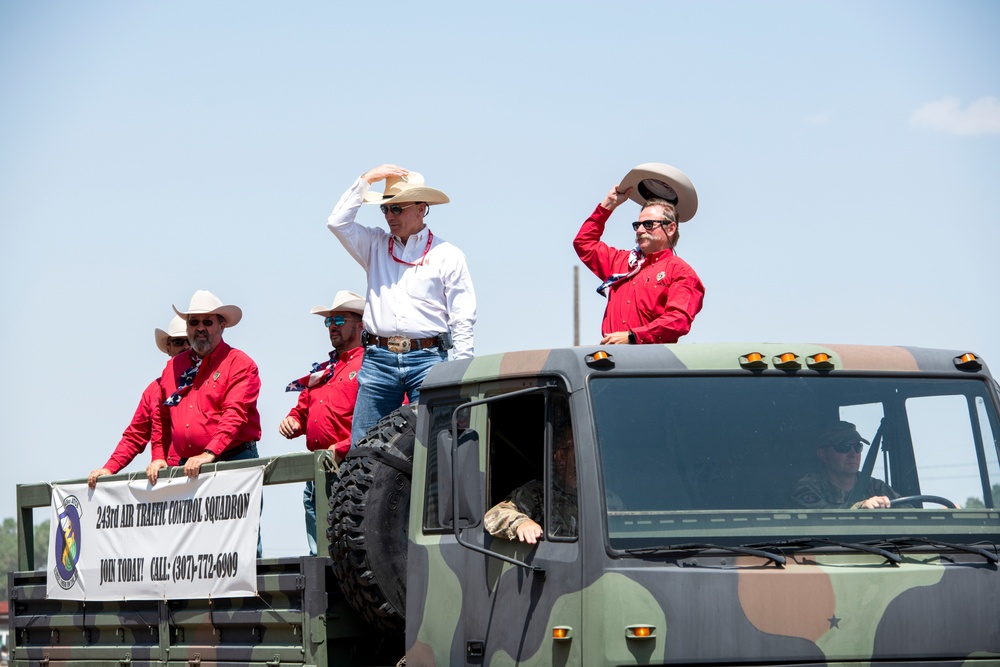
[{"x": 401, "y": 344}]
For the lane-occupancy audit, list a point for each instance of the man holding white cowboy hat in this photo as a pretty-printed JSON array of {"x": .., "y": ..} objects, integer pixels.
[
  {"x": 325, "y": 407},
  {"x": 209, "y": 394},
  {"x": 171, "y": 342},
  {"x": 654, "y": 294},
  {"x": 420, "y": 300}
]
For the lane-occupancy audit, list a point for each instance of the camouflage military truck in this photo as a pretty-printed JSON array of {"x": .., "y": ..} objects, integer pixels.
[{"x": 683, "y": 534}]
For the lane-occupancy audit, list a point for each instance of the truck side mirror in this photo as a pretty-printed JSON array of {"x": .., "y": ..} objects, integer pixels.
[{"x": 466, "y": 469}]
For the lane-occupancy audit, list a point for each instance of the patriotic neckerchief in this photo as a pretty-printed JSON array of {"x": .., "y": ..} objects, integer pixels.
[
  {"x": 187, "y": 379},
  {"x": 635, "y": 260},
  {"x": 320, "y": 375}
]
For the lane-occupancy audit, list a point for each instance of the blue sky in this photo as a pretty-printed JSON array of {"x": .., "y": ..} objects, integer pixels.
[{"x": 845, "y": 156}]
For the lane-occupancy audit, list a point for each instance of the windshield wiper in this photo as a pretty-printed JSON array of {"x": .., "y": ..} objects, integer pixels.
[
  {"x": 744, "y": 551},
  {"x": 990, "y": 556},
  {"x": 806, "y": 542}
]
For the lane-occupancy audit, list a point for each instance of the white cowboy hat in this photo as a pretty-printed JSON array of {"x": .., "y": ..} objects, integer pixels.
[
  {"x": 343, "y": 300},
  {"x": 655, "y": 180},
  {"x": 205, "y": 303},
  {"x": 403, "y": 189},
  {"x": 176, "y": 329}
]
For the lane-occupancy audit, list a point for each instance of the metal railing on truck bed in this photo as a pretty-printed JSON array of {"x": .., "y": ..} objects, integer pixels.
[{"x": 299, "y": 616}]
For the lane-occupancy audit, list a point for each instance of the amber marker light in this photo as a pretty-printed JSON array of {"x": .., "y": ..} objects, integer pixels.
[
  {"x": 787, "y": 361},
  {"x": 600, "y": 359},
  {"x": 562, "y": 632},
  {"x": 968, "y": 362},
  {"x": 753, "y": 360},
  {"x": 640, "y": 632},
  {"x": 820, "y": 361}
]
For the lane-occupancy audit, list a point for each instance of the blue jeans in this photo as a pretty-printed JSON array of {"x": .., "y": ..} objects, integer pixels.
[
  {"x": 383, "y": 380},
  {"x": 309, "y": 503}
]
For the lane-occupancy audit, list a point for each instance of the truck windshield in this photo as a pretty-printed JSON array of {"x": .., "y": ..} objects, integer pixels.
[{"x": 738, "y": 460}]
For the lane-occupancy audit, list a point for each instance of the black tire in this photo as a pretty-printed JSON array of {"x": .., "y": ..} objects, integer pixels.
[{"x": 369, "y": 511}]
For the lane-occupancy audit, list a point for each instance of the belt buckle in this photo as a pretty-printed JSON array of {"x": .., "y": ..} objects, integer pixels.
[{"x": 398, "y": 344}]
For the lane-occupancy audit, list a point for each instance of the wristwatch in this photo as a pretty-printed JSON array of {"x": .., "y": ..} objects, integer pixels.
[{"x": 631, "y": 338}]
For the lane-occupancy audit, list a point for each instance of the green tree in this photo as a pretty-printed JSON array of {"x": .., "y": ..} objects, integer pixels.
[
  {"x": 8, "y": 549},
  {"x": 978, "y": 502}
]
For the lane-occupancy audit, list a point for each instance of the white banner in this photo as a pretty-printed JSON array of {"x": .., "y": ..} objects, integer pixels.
[{"x": 183, "y": 538}]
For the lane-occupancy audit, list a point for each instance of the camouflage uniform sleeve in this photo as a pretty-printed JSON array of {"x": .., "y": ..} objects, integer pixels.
[
  {"x": 879, "y": 488},
  {"x": 525, "y": 502},
  {"x": 808, "y": 494},
  {"x": 503, "y": 519}
]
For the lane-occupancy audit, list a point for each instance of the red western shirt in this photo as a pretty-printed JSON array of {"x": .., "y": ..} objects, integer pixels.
[
  {"x": 658, "y": 303},
  {"x": 326, "y": 411},
  {"x": 139, "y": 432},
  {"x": 218, "y": 412}
]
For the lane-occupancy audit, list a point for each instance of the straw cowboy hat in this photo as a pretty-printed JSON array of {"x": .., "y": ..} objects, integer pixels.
[
  {"x": 405, "y": 189},
  {"x": 343, "y": 300},
  {"x": 205, "y": 303},
  {"x": 655, "y": 180},
  {"x": 176, "y": 329}
]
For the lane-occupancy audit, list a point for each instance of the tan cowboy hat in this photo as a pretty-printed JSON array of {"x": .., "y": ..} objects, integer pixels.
[
  {"x": 176, "y": 329},
  {"x": 205, "y": 303},
  {"x": 655, "y": 180},
  {"x": 343, "y": 300},
  {"x": 404, "y": 189}
]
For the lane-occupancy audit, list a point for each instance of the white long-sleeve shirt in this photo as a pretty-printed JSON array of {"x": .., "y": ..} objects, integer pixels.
[{"x": 433, "y": 297}]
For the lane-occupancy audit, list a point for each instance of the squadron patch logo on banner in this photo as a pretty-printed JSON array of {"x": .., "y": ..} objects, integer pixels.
[{"x": 68, "y": 543}]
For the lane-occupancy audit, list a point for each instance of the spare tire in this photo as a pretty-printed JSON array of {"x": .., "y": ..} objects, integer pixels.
[{"x": 369, "y": 514}]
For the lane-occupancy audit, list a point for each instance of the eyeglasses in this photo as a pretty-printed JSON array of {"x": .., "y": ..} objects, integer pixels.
[
  {"x": 339, "y": 320},
  {"x": 648, "y": 224},
  {"x": 843, "y": 448},
  {"x": 177, "y": 342},
  {"x": 395, "y": 208},
  {"x": 206, "y": 322}
]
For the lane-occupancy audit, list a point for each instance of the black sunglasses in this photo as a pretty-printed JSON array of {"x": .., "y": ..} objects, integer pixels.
[
  {"x": 339, "y": 320},
  {"x": 206, "y": 322},
  {"x": 846, "y": 447},
  {"x": 395, "y": 208},
  {"x": 648, "y": 224},
  {"x": 177, "y": 342}
]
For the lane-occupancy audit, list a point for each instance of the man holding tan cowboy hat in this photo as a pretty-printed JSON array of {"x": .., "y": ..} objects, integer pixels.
[
  {"x": 171, "y": 342},
  {"x": 208, "y": 410},
  {"x": 654, "y": 294},
  {"x": 420, "y": 301}
]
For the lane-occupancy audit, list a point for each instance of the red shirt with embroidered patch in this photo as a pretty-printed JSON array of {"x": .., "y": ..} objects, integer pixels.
[
  {"x": 658, "y": 304},
  {"x": 218, "y": 412},
  {"x": 326, "y": 411}
]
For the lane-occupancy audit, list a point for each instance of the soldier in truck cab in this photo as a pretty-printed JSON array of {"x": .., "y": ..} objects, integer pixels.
[
  {"x": 520, "y": 515},
  {"x": 839, "y": 453}
]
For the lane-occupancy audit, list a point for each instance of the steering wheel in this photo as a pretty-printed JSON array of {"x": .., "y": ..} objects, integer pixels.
[{"x": 906, "y": 500}]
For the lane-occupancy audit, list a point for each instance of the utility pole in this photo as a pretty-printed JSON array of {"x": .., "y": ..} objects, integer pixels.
[{"x": 576, "y": 306}]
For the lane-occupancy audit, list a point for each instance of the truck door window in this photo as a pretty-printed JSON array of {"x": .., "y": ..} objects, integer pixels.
[{"x": 540, "y": 481}]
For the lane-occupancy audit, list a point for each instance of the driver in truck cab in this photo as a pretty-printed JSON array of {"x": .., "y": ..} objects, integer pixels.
[{"x": 839, "y": 453}]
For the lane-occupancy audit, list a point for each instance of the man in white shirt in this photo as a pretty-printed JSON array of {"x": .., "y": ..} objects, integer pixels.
[{"x": 420, "y": 300}]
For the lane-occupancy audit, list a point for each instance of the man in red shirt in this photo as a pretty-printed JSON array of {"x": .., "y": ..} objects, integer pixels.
[
  {"x": 171, "y": 342},
  {"x": 325, "y": 407},
  {"x": 654, "y": 294},
  {"x": 209, "y": 407}
]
